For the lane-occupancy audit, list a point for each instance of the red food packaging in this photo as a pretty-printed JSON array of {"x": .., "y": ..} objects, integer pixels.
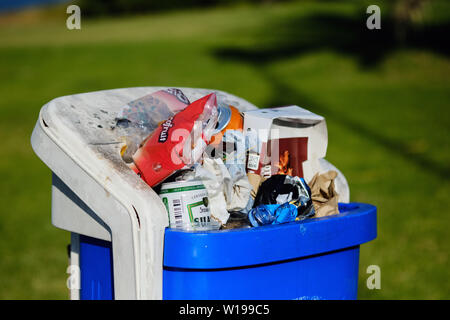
[{"x": 177, "y": 142}]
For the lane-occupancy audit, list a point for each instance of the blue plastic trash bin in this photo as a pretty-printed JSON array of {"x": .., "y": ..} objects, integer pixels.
[{"x": 316, "y": 258}]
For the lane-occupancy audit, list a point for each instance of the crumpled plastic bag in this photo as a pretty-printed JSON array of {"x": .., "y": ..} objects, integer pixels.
[
  {"x": 235, "y": 159},
  {"x": 235, "y": 163},
  {"x": 323, "y": 194},
  {"x": 272, "y": 214}
]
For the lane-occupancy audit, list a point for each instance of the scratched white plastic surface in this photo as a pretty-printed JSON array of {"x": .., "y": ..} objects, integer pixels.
[{"x": 74, "y": 137}]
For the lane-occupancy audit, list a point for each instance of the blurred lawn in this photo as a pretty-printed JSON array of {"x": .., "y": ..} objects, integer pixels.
[{"x": 386, "y": 105}]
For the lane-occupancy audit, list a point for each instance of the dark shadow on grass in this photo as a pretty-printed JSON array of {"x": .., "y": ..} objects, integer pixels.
[
  {"x": 285, "y": 95},
  {"x": 343, "y": 34},
  {"x": 348, "y": 35}
]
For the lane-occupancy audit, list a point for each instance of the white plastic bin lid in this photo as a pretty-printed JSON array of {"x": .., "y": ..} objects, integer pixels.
[{"x": 96, "y": 194}]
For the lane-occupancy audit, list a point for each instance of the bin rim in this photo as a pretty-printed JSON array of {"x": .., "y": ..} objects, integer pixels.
[{"x": 221, "y": 249}]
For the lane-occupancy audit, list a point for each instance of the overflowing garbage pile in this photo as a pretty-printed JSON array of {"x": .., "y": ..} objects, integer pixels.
[{"x": 217, "y": 168}]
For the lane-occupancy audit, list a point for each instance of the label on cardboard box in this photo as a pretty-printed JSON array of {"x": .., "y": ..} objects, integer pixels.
[{"x": 253, "y": 161}]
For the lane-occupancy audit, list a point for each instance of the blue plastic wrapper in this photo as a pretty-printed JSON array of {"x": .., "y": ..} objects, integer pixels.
[
  {"x": 272, "y": 214},
  {"x": 281, "y": 199},
  {"x": 285, "y": 213}
]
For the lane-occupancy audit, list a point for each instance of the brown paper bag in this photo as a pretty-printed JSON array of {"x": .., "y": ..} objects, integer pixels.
[
  {"x": 323, "y": 194},
  {"x": 255, "y": 181}
]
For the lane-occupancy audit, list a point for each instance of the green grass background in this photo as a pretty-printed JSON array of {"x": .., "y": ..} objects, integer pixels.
[{"x": 386, "y": 105}]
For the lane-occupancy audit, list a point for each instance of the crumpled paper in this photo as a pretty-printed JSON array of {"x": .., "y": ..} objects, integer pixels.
[
  {"x": 225, "y": 193},
  {"x": 323, "y": 194},
  {"x": 216, "y": 179}
]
